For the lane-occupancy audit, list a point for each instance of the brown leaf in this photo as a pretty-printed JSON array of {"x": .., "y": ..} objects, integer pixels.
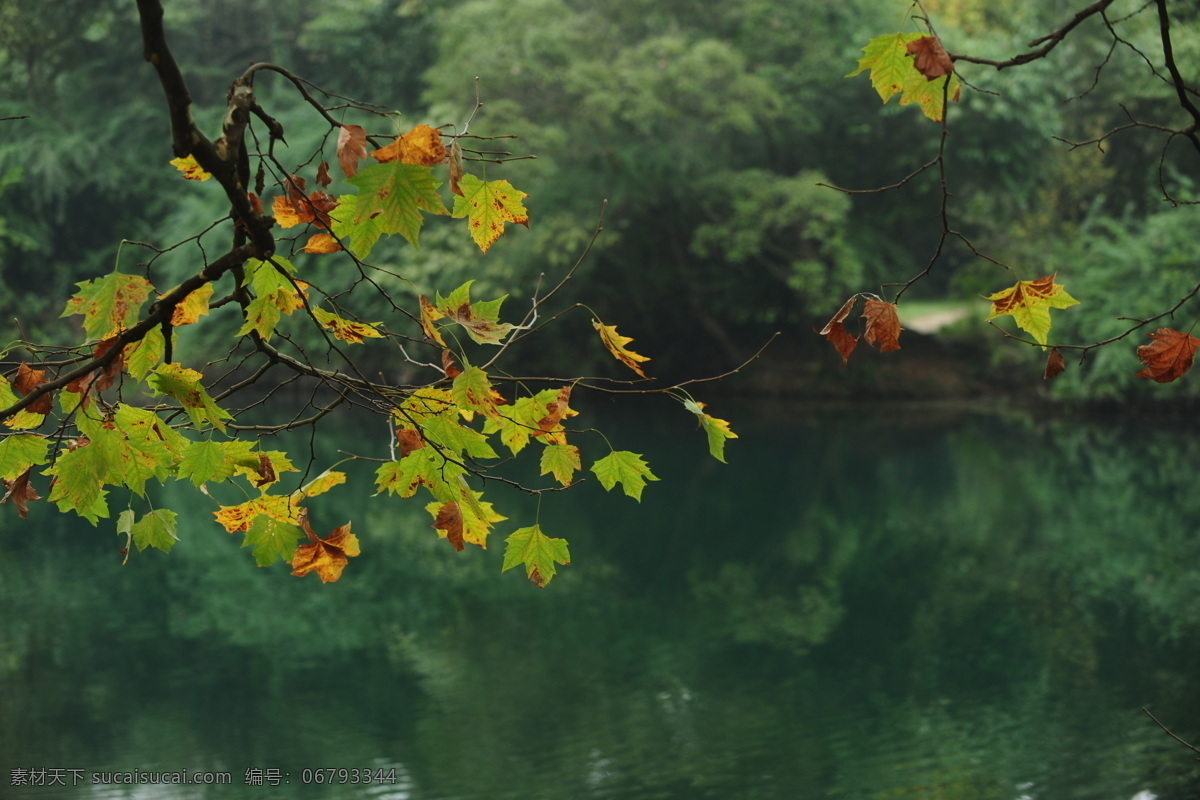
[
  {"x": 835, "y": 331},
  {"x": 328, "y": 556},
  {"x": 29, "y": 379},
  {"x": 265, "y": 471},
  {"x": 930, "y": 58},
  {"x": 21, "y": 493},
  {"x": 429, "y": 315},
  {"x": 883, "y": 325},
  {"x": 456, "y": 167},
  {"x": 323, "y": 174},
  {"x": 556, "y": 411},
  {"x": 448, "y": 366},
  {"x": 409, "y": 440},
  {"x": 422, "y": 145},
  {"x": 103, "y": 378},
  {"x": 450, "y": 519},
  {"x": 351, "y": 148},
  {"x": 1054, "y": 364},
  {"x": 1169, "y": 356}
]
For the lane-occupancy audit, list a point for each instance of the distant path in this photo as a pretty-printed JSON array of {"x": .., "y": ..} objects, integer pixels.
[{"x": 934, "y": 320}]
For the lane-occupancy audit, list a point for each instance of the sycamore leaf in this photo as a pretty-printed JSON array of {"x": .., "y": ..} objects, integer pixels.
[
  {"x": 835, "y": 331},
  {"x": 19, "y": 452},
  {"x": 192, "y": 307},
  {"x": 474, "y": 517},
  {"x": 892, "y": 72},
  {"x": 397, "y": 193},
  {"x": 538, "y": 552},
  {"x": 472, "y": 390},
  {"x": 717, "y": 430},
  {"x": 102, "y": 378},
  {"x": 561, "y": 461},
  {"x": 78, "y": 483},
  {"x": 22, "y": 419},
  {"x": 321, "y": 243},
  {"x": 270, "y": 539},
  {"x": 360, "y": 236},
  {"x": 421, "y": 145},
  {"x": 1054, "y": 364},
  {"x": 625, "y": 468},
  {"x": 191, "y": 170},
  {"x": 488, "y": 205},
  {"x": 328, "y": 556},
  {"x": 480, "y": 319},
  {"x": 323, "y": 174},
  {"x": 184, "y": 385},
  {"x": 141, "y": 358},
  {"x": 21, "y": 492},
  {"x": 344, "y": 329},
  {"x": 156, "y": 529},
  {"x": 558, "y": 408},
  {"x": 109, "y": 304},
  {"x": 1029, "y": 303},
  {"x": 205, "y": 461},
  {"x": 1169, "y": 356},
  {"x": 29, "y": 379},
  {"x": 426, "y": 467},
  {"x": 883, "y": 325},
  {"x": 351, "y": 148},
  {"x": 615, "y": 343},
  {"x": 430, "y": 314},
  {"x": 929, "y": 57}
]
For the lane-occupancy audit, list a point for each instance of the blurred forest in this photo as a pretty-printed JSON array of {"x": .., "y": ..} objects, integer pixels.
[{"x": 706, "y": 127}]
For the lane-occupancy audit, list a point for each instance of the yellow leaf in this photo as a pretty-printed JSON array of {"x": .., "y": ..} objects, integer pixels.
[
  {"x": 190, "y": 169},
  {"x": 488, "y": 205},
  {"x": 422, "y": 145},
  {"x": 615, "y": 343},
  {"x": 192, "y": 307}
]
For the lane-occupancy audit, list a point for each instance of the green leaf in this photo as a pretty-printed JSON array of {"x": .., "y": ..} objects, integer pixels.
[
  {"x": 19, "y": 452},
  {"x": 397, "y": 193},
  {"x": 472, "y": 391},
  {"x": 717, "y": 430},
  {"x": 141, "y": 358},
  {"x": 516, "y": 423},
  {"x": 625, "y": 468},
  {"x": 487, "y": 206},
  {"x": 1029, "y": 303},
  {"x": 206, "y": 461},
  {"x": 538, "y": 552},
  {"x": 79, "y": 481},
  {"x": 156, "y": 529},
  {"x": 445, "y": 431},
  {"x": 361, "y": 236},
  {"x": 184, "y": 385},
  {"x": 893, "y": 72},
  {"x": 481, "y": 320},
  {"x": 423, "y": 467},
  {"x": 110, "y": 303},
  {"x": 271, "y": 540},
  {"x": 561, "y": 460}
]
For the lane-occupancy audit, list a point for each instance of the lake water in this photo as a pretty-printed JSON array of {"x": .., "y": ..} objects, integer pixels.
[{"x": 879, "y": 603}]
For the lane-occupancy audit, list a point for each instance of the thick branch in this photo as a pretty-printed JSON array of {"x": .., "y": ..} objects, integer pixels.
[
  {"x": 1164, "y": 26},
  {"x": 160, "y": 312}
]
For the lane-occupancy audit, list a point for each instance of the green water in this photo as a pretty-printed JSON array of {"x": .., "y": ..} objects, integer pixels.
[{"x": 866, "y": 603}]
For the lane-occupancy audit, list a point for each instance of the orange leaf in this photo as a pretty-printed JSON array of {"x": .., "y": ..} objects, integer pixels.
[
  {"x": 930, "y": 58},
  {"x": 351, "y": 148},
  {"x": 556, "y": 411},
  {"x": 105, "y": 377},
  {"x": 1169, "y": 356},
  {"x": 422, "y": 145},
  {"x": 429, "y": 315},
  {"x": 296, "y": 208},
  {"x": 451, "y": 369},
  {"x": 328, "y": 556},
  {"x": 883, "y": 325},
  {"x": 322, "y": 243},
  {"x": 1054, "y": 364},
  {"x": 21, "y": 493},
  {"x": 409, "y": 440},
  {"x": 29, "y": 379},
  {"x": 835, "y": 331},
  {"x": 450, "y": 519}
]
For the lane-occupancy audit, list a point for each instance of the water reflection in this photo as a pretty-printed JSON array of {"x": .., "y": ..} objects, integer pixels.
[{"x": 871, "y": 604}]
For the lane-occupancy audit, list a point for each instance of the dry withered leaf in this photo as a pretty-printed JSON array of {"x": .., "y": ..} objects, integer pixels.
[
  {"x": 456, "y": 167},
  {"x": 835, "y": 331},
  {"x": 930, "y": 58},
  {"x": 883, "y": 325},
  {"x": 29, "y": 379},
  {"x": 1169, "y": 356},
  {"x": 450, "y": 519},
  {"x": 451, "y": 369},
  {"x": 323, "y": 174},
  {"x": 409, "y": 440},
  {"x": 421, "y": 145},
  {"x": 265, "y": 471},
  {"x": 21, "y": 493},
  {"x": 1054, "y": 364},
  {"x": 351, "y": 148},
  {"x": 556, "y": 410},
  {"x": 328, "y": 556}
]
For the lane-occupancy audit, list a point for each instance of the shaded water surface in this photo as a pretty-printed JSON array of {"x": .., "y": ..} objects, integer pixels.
[{"x": 899, "y": 603}]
